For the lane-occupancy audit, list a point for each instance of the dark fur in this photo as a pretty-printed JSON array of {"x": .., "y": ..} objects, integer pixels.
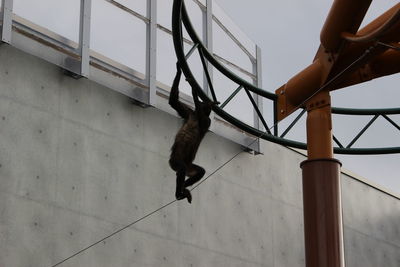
[{"x": 195, "y": 126}]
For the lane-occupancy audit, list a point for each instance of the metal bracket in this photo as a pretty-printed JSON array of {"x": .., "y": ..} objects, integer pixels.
[
  {"x": 7, "y": 8},
  {"x": 318, "y": 101}
]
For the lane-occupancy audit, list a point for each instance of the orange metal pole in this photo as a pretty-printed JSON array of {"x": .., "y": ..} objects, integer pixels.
[
  {"x": 319, "y": 127},
  {"x": 321, "y": 172},
  {"x": 376, "y": 25},
  {"x": 387, "y": 63},
  {"x": 321, "y": 189},
  {"x": 344, "y": 16},
  {"x": 322, "y": 213}
]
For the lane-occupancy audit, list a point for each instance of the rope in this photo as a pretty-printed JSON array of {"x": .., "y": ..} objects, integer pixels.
[{"x": 114, "y": 233}]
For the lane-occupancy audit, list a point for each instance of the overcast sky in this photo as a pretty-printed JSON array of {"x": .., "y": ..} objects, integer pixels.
[{"x": 288, "y": 33}]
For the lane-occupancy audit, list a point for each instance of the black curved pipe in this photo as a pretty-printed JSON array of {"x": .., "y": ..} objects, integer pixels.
[{"x": 217, "y": 64}]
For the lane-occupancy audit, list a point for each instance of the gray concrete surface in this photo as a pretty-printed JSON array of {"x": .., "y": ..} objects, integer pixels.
[{"x": 78, "y": 161}]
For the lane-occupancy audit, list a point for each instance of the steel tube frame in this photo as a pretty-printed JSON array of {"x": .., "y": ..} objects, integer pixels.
[
  {"x": 293, "y": 123},
  {"x": 208, "y": 55},
  {"x": 321, "y": 173},
  {"x": 231, "y": 96},
  {"x": 179, "y": 15},
  {"x": 337, "y": 141},
  {"x": 391, "y": 122},
  {"x": 187, "y": 56},
  {"x": 208, "y": 76},
  {"x": 258, "y": 112},
  {"x": 362, "y": 131}
]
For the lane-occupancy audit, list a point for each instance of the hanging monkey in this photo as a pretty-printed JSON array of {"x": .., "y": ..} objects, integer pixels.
[{"x": 195, "y": 126}]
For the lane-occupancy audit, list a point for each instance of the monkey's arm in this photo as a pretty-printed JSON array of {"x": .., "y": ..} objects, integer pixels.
[{"x": 174, "y": 102}]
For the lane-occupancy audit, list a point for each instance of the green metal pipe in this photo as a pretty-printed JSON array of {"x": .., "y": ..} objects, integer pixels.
[
  {"x": 293, "y": 123},
  {"x": 260, "y": 116},
  {"x": 353, "y": 111},
  {"x": 210, "y": 84},
  {"x": 191, "y": 51},
  {"x": 231, "y": 96},
  {"x": 362, "y": 131},
  {"x": 216, "y": 63}
]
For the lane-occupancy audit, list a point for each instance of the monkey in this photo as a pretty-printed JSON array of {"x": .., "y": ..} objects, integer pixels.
[{"x": 187, "y": 141}]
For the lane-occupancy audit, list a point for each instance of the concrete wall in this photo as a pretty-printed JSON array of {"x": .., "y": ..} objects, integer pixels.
[{"x": 79, "y": 161}]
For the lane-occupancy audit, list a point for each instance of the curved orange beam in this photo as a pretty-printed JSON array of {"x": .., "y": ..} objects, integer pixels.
[
  {"x": 344, "y": 16},
  {"x": 385, "y": 64},
  {"x": 377, "y": 28}
]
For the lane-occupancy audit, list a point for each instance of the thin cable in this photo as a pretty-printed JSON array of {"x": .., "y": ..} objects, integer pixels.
[
  {"x": 390, "y": 46},
  {"x": 114, "y": 233},
  {"x": 216, "y": 170}
]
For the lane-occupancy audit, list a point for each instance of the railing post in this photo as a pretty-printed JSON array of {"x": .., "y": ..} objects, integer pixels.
[
  {"x": 151, "y": 50},
  {"x": 84, "y": 36},
  {"x": 257, "y": 71},
  {"x": 208, "y": 41},
  {"x": 6, "y": 9}
]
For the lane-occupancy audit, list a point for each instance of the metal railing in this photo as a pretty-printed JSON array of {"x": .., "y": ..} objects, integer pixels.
[{"x": 80, "y": 60}]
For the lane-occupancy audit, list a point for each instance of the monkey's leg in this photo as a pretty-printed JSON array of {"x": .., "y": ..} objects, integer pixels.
[
  {"x": 181, "y": 192},
  {"x": 195, "y": 173},
  {"x": 180, "y": 183}
]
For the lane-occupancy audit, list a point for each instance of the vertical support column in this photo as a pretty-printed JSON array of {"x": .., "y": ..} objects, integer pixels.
[
  {"x": 208, "y": 41},
  {"x": 151, "y": 50},
  {"x": 323, "y": 225},
  {"x": 319, "y": 127},
  {"x": 323, "y": 228},
  {"x": 84, "y": 36},
  {"x": 7, "y": 8},
  {"x": 257, "y": 71}
]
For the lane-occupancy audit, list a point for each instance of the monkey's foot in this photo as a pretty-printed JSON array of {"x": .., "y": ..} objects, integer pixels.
[{"x": 184, "y": 194}]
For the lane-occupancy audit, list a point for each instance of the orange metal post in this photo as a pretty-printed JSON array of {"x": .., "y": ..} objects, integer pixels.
[
  {"x": 387, "y": 63},
  {"x": 321, "y": 189},
  {"x": 319, "y": 127},
  {"x": 344, "y": 16},
  {"x": 342, "y": 59},
  {"x": 322, "y": 213},
  {"x": 385, "y": 24}
]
